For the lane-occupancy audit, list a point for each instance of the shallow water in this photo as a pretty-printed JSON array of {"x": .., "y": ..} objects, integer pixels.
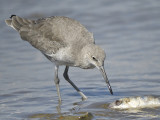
[{"x": 127, "y": 30}]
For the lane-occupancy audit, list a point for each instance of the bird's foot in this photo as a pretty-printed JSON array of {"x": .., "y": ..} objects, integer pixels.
[{"x": 83, "y": 96}]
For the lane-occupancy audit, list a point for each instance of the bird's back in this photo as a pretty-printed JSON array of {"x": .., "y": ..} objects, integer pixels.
[{"x": 52, "y": 33}]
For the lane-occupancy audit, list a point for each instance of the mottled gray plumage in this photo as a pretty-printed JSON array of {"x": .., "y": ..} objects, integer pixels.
[{"x": 63, "y": 41}]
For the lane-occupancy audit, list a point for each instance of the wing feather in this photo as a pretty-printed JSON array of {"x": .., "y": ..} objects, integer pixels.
[
  {"x": 52, "y": 33},
  {"x": 41, "y": 36}
]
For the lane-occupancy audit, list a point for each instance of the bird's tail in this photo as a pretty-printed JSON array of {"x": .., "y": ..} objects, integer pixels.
[{"x": 17, "y": 22}]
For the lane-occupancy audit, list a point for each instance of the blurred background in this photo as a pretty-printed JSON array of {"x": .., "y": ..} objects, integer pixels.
[{"x": 127, "y": 30}]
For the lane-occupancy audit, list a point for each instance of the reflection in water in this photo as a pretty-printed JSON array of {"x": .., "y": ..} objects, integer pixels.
[
  {"x": 78, "y": 116},
  {"x": 76, "y": 113},
  {"x": 59, "y": 107}
]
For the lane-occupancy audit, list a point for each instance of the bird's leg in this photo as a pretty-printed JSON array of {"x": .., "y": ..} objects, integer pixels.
[
  {"x": 65, "y": 74},
  {"x": 56, "y": 80}
]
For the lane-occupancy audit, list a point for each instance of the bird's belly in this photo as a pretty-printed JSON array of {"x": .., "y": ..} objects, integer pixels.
[
  {"x": 62, "y": 57},
  {"x": 61, "y": 62}
]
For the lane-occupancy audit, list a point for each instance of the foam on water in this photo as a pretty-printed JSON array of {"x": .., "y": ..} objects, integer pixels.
[{"x": 136, "y": 102}]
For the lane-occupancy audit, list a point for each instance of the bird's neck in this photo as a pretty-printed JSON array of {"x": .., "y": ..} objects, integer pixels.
[{"x": 82, "y": 58}]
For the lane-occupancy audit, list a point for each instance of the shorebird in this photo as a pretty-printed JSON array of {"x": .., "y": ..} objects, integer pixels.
[{"x": 64, "y": 41}]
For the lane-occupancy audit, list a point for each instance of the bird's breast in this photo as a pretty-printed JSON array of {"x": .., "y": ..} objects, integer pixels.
[{"x": 63, "y": 57}]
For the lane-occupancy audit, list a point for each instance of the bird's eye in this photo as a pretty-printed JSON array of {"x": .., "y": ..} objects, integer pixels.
[{"x": 94, "y": 58}]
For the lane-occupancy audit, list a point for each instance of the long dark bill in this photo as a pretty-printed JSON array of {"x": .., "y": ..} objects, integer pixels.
[{"x": 105, "y": 78}]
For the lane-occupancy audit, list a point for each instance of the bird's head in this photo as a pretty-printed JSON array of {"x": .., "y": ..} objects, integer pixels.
[{"x": 94, "y": 56}]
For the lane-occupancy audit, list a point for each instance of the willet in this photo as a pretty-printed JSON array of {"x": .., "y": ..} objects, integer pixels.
[{"x": 63, "y": 41}]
